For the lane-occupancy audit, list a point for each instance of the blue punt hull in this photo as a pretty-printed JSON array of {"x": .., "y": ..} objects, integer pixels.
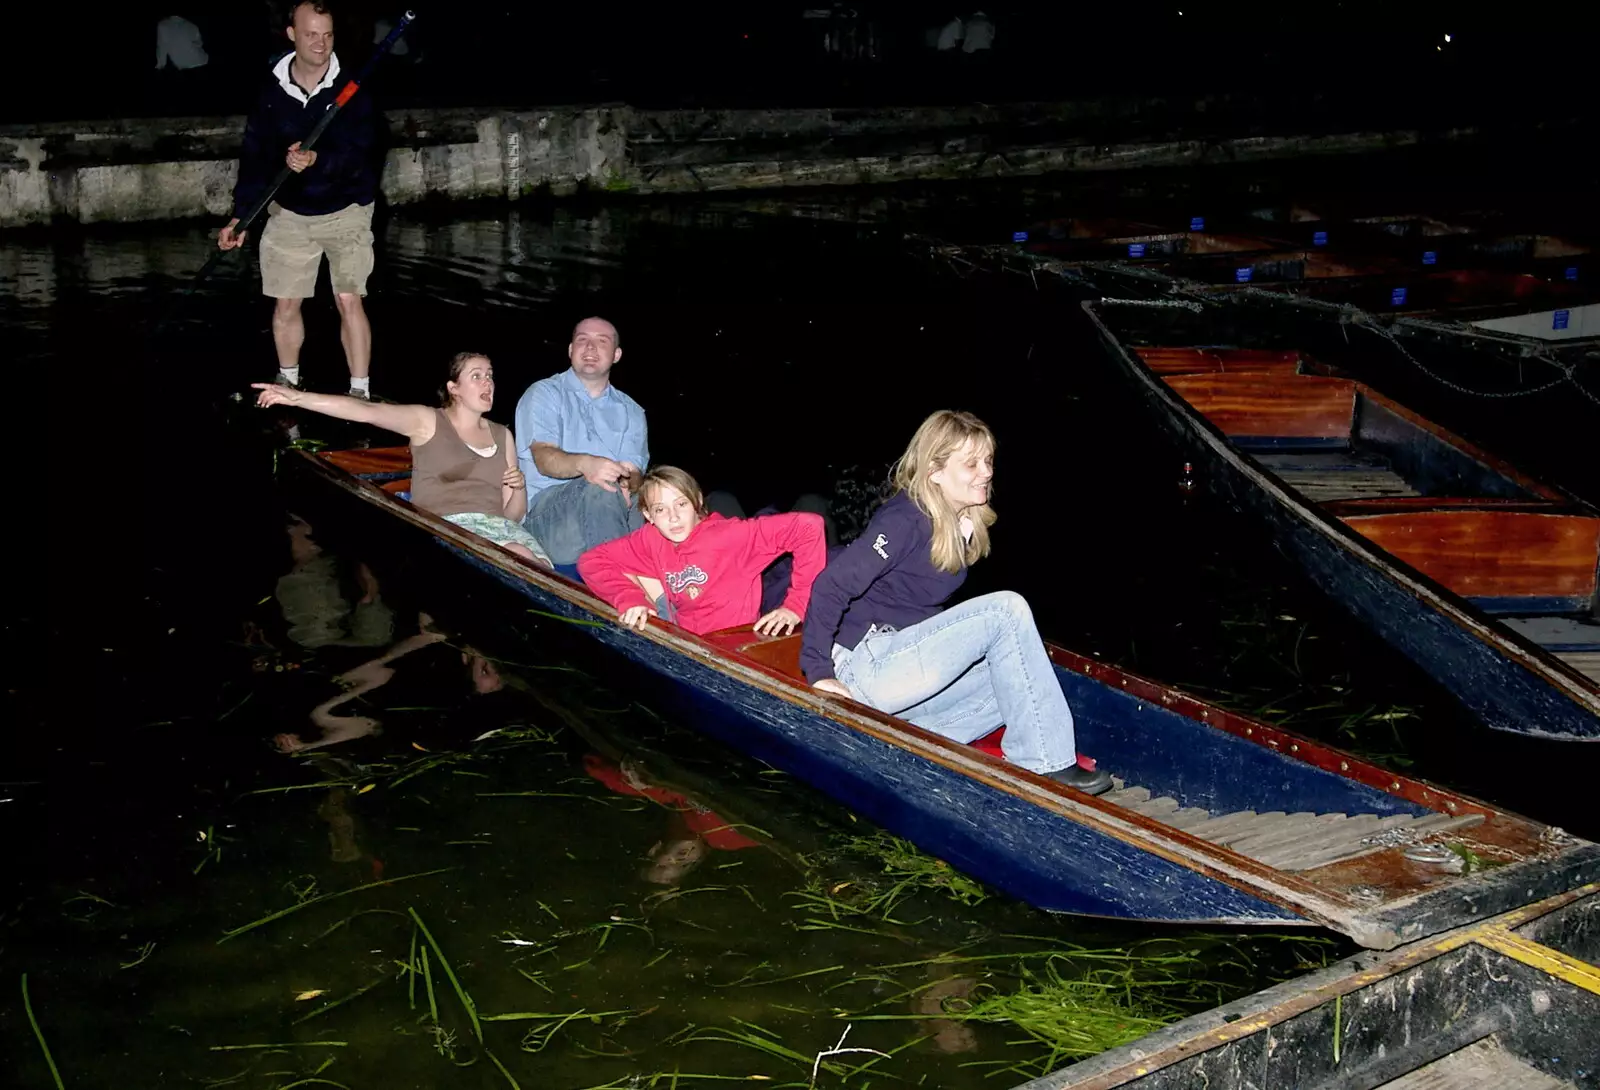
[
  {"x": 1505, "y": 682},
  {"x": 1032, "y": 854},
  {"x": 1040, "y": 842}
]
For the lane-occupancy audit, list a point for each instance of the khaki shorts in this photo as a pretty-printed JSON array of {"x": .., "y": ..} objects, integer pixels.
[{"x": 292, "y": 246}]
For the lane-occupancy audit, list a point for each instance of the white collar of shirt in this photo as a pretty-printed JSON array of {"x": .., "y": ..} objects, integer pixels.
[
  {"x": 575, "y": 383},
  {"x": 293, "y": 89}
]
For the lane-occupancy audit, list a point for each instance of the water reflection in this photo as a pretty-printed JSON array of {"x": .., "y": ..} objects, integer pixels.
[
  {"x": 585, "y": 875},
  {"x": 584, "y": 867}
]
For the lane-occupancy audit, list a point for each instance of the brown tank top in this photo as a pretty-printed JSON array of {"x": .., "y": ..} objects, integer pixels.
[{"x": 450, "y": 478}]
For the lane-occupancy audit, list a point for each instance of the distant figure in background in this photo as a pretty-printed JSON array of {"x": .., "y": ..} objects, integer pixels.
[
  {"x": 270, "y": 45},
  {"x": 980, "y": 34},
  {"x": 950, "y": 36},
  {"x": 404, "y": 60},
  {"x": 405, "y": 49},
  {"x": 179, "y": 44},
  {"x": 183, "y": 74}
]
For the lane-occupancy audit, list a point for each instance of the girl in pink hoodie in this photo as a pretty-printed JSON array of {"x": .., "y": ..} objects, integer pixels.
[{"x": 703, "y": 572}]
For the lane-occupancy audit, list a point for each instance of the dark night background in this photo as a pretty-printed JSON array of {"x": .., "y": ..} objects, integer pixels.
[
  {"x": 782, "y": 341},
  {"x": 1501, "y": 60}
]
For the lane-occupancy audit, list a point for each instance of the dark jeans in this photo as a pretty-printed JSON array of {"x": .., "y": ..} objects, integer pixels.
[{"x": 573, "y": 517}]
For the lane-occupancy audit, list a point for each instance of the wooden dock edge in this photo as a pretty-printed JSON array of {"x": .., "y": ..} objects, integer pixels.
[{"x": 1232, "y": 1046}]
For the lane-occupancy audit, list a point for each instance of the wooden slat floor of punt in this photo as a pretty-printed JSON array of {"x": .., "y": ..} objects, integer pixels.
[
  {"x": 1478, "y": 1066},
  {"x": 1288, "y": 842},
  {"x": 1573, "y": 640},
  {"x": 1558, "y": 633},
  {"x": 1586, "y": 663},
  {"x": 1321, "y": 476}
]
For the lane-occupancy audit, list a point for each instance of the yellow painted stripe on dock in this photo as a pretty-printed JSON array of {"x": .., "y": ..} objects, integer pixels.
[
  {"x": 1494, "y": 934},
  {"x": 1538, "y": 956}
]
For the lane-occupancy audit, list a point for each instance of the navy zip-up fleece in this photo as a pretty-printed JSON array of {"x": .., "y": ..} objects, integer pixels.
[
  {"x": 885, "y": 577},
  {"x": 346, "y": 170}
]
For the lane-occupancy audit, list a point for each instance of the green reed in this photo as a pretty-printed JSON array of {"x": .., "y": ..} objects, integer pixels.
[
  {"x": 309, "y": 901},
  {"x": 27, "y": 1005},
  {"x": 461, "y": 993}
]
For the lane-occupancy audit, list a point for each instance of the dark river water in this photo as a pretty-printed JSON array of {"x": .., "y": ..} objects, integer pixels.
[{"x": 621, "y": 903}]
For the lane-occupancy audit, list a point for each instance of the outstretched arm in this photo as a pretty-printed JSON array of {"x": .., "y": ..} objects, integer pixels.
[{"x": 415, "y": 422}]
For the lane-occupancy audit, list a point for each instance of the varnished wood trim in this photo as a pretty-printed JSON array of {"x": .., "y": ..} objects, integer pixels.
[
  {"x": 1386, "y": 504},
  {"x": 1198, "y": 361},
  {"x": 1492, "y": 553},
  {"x": 1248, "y": 404}
]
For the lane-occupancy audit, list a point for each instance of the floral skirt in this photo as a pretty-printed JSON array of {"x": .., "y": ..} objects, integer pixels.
[{"x": 500, "y": 530}]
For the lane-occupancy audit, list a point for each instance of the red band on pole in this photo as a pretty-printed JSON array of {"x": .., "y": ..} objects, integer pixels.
[{"x": 347, "y": 94}]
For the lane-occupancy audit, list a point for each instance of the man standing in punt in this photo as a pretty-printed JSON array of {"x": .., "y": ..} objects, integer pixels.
[
  {"x": 583, "y": 448},
  {"x": 326, "y": 208}
]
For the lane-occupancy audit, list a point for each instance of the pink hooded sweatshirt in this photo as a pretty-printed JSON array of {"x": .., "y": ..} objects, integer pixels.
[{"x": 712, "y": 578}]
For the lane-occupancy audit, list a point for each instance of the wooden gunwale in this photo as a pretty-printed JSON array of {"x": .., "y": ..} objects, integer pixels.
[
  {"x": 1499, "y": 465},
  {"x": 1392, "y": 504},
  {"x": 1262, "y": 734},
  {"x": 1456, "y": 610},
  {"x": 1300, "y": 997},
  {"x": 1290, "y": 891}
]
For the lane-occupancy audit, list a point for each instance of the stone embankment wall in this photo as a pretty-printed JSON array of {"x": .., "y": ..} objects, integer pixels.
[{"x": 175, "y": 168}]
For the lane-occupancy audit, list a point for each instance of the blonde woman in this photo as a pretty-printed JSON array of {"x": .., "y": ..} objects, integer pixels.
[{"x": 878, "y": 632}]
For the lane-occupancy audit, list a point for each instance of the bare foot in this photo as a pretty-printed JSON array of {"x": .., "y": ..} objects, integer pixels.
[{"x": 288, "y": 743}]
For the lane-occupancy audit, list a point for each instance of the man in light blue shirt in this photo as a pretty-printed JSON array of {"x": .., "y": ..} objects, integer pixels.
[{"x": 583, "y": 448}]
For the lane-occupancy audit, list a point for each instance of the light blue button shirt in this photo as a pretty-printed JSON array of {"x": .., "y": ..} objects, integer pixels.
[{"x": 558, "y": 410}]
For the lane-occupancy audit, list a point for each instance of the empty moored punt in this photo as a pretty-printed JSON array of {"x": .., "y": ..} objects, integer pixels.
[
  {"x": 1217, "y": 818},
  {"x": 1509, "y": 1004},
  {"x": 1481, "y": 575},
  {"x": 1390, "y": 242},
  {"x": 1529, "y": 285}
]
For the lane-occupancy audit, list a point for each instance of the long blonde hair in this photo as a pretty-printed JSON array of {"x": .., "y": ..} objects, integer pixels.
[{"x": 939, "y": 437}]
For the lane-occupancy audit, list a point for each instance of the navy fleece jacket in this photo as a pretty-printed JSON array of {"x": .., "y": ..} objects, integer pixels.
[
  {"x": 885, "y": 577},
  {"x": 346, "y": 170}
]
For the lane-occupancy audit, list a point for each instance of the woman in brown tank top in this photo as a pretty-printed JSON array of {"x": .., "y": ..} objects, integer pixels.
[{"x": 464, "y": 467}]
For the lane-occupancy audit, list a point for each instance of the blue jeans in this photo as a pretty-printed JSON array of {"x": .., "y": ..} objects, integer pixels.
[
  {"x": 573, "y": 517},
  {"x": 965, "y": 672}
]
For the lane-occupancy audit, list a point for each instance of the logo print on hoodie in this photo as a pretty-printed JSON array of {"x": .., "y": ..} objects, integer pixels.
[
  {"x": 690, "y": 579},
  {"x": 877, "y": 546}
]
